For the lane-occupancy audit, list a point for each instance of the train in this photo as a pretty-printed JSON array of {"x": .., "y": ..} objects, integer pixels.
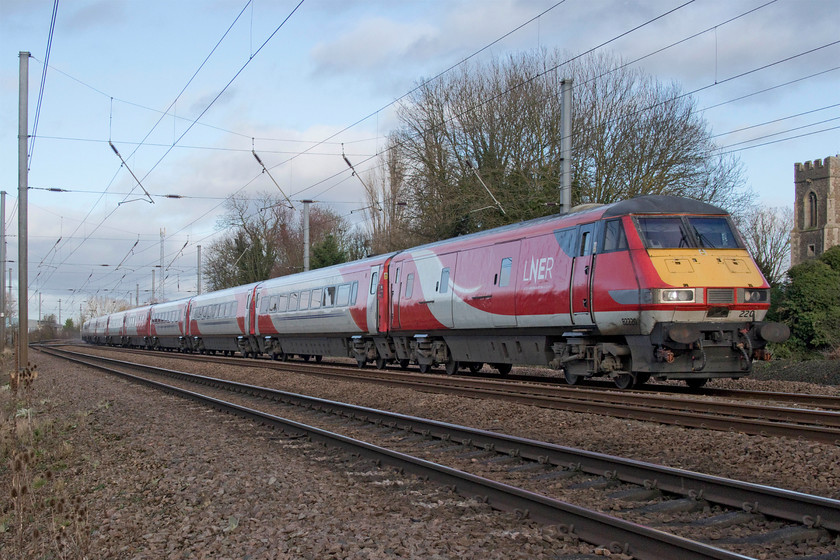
[{"x": 654, "y": 286}]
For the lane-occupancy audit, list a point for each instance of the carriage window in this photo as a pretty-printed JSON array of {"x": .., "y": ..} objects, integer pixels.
[
  {"x": 316, "y": 298},
  {"x": 504, "y": 274},
  {"x": 373, "y": 278},
  {"x": 663, "y": 233},
  {"x": 293, "y": 301},
  {"x": 304, "y": 300},
  {"x": 329, "y": 297},
  {"x": 585, "y": 243},
  {"x": 409, "y": 285},
  {"x": 343, "y": 297},
  {"x": 444, "y": 281},
  {"x": 281, "y": 303},
  {"x": 354, "y": 290},
  {"x": 614, "y": 237},
  {"x": 264, "y": 304},
  {"x": 714, "y": 233}
]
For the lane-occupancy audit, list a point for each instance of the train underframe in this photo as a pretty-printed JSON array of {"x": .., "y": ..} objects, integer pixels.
[{"x": 693, "y": 352}]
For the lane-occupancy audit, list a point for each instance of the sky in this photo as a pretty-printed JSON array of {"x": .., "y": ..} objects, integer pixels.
[{"x": 185, "y": 90}]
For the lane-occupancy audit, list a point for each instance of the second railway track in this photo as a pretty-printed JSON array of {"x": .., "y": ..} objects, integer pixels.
[{"x": 693, "y": 412}]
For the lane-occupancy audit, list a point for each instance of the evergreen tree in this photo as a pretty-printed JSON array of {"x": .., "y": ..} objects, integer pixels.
[{"x": 327, "y": 253}]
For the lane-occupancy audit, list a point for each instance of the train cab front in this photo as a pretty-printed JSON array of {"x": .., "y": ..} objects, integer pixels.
[{"x": 704, "y": 301}]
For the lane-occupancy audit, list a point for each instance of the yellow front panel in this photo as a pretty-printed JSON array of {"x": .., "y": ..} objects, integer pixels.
[{"x": 706, "y": 267}]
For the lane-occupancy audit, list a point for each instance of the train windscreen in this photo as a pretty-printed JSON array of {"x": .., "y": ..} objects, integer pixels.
[
  {"x": 675, "y": 232},
  {"x": 714, "y": 233}
]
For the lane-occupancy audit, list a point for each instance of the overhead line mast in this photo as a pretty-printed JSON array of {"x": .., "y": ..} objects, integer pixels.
[{"x": 23, "y": 184}]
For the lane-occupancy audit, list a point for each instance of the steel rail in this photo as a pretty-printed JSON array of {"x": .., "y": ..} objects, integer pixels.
[
  {"x": 628, "y": 406},
  {"x": 829, "y": 402},
  {"x": 590, "y": 526},
  {"x": 783, "y": 504}
]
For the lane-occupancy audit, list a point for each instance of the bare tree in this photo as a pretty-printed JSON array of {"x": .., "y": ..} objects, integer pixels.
[
  {"x": 766, "y": 231},
  {"x": 385, "y": 195},
  {"x": 265, "y": 240},
  {"x": 101, "y": 305},
  {"x": 632, "y": 135}
]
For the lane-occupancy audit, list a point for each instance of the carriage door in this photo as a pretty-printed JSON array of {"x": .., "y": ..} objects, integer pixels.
[
  {"x": 372, "y": 299},
  {"x": 582, "y": 268},
  {"x": 396, "y": 293},
  {"x": 250, "y": 315},
  {"x": 503, "y": 301}
]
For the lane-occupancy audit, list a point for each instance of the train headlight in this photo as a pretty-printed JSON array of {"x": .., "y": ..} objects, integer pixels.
[
  {"x": 752, "y": 295},
  {"x": 674, "y": 296}
]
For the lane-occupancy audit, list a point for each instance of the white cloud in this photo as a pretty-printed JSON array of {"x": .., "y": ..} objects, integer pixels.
[{"x": 372, "y": 44}]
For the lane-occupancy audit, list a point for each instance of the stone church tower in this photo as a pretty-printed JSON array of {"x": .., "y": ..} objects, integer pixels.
[{"x": 816, "y": 225}]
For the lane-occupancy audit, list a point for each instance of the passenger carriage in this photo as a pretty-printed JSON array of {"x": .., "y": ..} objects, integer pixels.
[{"x": 654, "y": 286}]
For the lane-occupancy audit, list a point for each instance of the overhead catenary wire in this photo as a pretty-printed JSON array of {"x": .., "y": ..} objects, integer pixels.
[
  {"x": 253, "y": 55},
  {"x": 369, "y": 158},
  {"x": 453, "y": 66},
  {"x": 273, "y": 180},
  {"x": 224, "y": 89},
  {"x": 43, "y": 84},
  {"x": 151, "y": 200},
  {"x": 774, "y": 141},
  {"x": 774, "y": 121},
  {"x": 365, "y": 160}
]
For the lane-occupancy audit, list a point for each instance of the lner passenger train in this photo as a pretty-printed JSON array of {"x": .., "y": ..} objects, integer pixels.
[{"x": 654, "y": 286}]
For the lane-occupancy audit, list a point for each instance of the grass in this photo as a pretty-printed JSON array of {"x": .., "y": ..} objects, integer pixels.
[{"x": 39, "y": 517}]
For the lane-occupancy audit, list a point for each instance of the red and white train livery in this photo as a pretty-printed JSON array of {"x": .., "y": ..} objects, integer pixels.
[{"x": 654, "y": 286}]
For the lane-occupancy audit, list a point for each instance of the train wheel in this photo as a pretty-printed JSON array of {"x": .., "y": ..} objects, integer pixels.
[
  {"x": 361, "y": 363},
  {"x": 305, "y": 357},
  {"x": 503, "y": 369},
  {"x": 642, "y": 378},
  {"x": 571, "y": 378},
  {"x": 623, "y": 381},
  {"x": 380, "y": 362},
  {"x": 318, "y": 358},
  {"x": 404, "y": 364},
  {"x": 475, "y": 367},
  {"x": 696, "y": 383},
  {"x": 452, "y": 367},
  {"x": 424, "y": 368}
]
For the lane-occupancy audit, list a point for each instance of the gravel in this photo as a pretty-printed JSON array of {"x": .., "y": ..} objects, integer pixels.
[{"x": 147, "y": 475}]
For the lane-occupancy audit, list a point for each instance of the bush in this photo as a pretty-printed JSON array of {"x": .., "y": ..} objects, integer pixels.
[
  {"x": 811, "y": 303},
  {"x": 832, "y": 258}
]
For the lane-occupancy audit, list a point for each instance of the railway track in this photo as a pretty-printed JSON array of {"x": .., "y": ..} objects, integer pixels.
[
  {"x": 525, "y": 469},
  {"x": 704, "y": 413}
]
